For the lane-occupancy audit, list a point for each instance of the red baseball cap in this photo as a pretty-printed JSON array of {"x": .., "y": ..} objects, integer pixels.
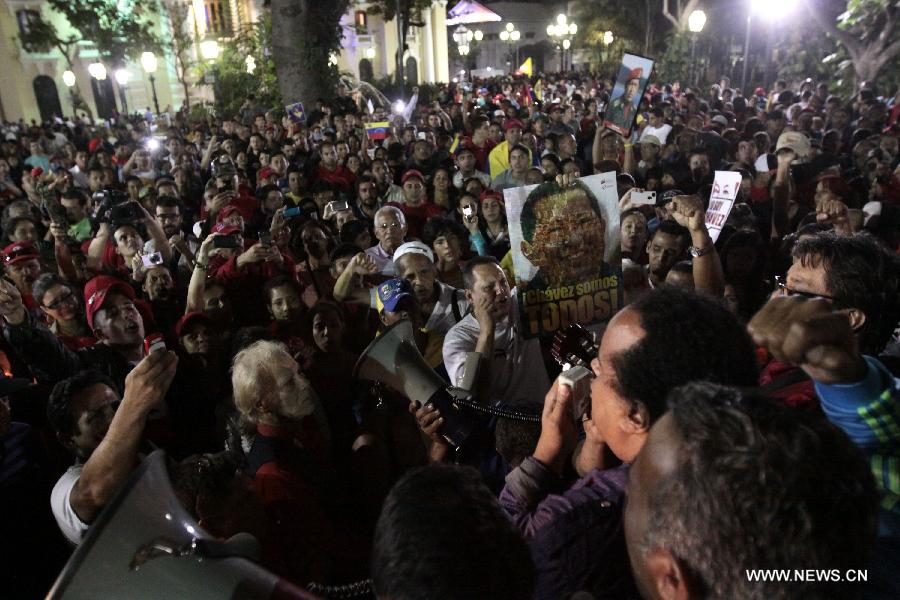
[
  {"x": 265, "y": 173},
  {"x": 97, "y": 289},
  {"x": 18, "y": 252},
  {"x": 225, "y": 229},
  {"x": 189, "y": 319},
  {"x": 410, "y": 174},
  {"x": 511, "y": 123},
  {"x": 226, "y": 212}
]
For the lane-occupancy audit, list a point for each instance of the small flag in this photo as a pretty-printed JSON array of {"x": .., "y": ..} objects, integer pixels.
[
  {"x": 539, "y": 90},
  {"x": 370, "y": 106},
  {"x": 526, "y": 67},
  {"x": 296, "y": 112},
  {"x": 378, "y": 131},
  {"x": 455, "y": 144}
]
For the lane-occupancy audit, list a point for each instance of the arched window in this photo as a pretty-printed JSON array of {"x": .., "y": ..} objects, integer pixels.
[
  {"x": 412, "y": 71},
  {"x": 47, "y": 97},
  {"x": 365, "y": 70}
]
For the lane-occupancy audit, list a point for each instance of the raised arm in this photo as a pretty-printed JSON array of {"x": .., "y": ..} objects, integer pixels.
[
  {"x": 708, "y": 276},
  {"x": 113, "y": 460},
  {"x": 347, "y": 288}
]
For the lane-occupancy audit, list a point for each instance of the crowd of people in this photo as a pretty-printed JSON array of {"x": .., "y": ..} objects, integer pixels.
[{"x": 208, "y": 287}]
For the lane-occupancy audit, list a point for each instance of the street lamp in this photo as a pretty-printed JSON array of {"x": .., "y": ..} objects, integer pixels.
[
  {"x": 97, "y": 70},
  {"x": 209, "y": 49},
  {"x": 696, "y": 22},
  {"x": 770, "y": 9},
  {"x": 370, "y": 52},
  {"x": 149, "y": 63},
  {"x": 464, "y": 39},
  {"x": 561, "y": 32},
  {"x": 251, "y": 64},
  {"x": 122, "y": 78},
  {"x": 69, "y": 80},
  {"x": 511, "y": 35}
]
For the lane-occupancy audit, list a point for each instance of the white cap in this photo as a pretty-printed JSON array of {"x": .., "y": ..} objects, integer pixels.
[
  {"x": 871, "y": 209},
  {"x": 414, "y": 248}
]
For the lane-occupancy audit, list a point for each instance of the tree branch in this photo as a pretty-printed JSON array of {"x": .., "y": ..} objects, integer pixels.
[{"x": 669, "y": 15}]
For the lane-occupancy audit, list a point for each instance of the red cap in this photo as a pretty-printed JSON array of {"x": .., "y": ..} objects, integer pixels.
[
  {"x": 511, "y": 123},
  {"x": 491, "y": 194},
  {"x": 226, "y": 212},
  {"x": 93, "y": 145},
  {"x": 18, "y": 252},
  {"x": 410, "y": 174},
  {"x": 635, "y": 73},
  {"x": 190, "y": 318},
  {"x": 37, "y": 172},
  {"x": 225, "y": 229},
  {"x": 97, "y": 289}
]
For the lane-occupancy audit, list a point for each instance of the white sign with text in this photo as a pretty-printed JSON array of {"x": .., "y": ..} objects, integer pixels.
[{"x": 724, "y": 192}]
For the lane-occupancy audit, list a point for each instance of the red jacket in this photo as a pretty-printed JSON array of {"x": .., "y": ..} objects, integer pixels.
[
  {"x": 244, "y": 285},
  {"x": 341, "y": 177}
]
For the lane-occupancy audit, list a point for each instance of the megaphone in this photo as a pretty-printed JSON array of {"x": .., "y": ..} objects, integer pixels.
[
  {"x": 393, "y": 359},
  {"x": 145, "y": 545}
]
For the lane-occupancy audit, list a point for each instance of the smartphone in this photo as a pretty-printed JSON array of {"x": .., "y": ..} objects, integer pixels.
[
  {"x": 294, "y": 211},
  {"x": 469, "y": 213},
  {"x": 225, "y": 241},
  {"x": 151, "y": 260},
  {"x": 227, "y": 185},
  {"x": 265, "y": 238},
  {"x": 579, "y": 381},
  {"x": 641, "y": 198},
  {"x": 154, "y": 342}
]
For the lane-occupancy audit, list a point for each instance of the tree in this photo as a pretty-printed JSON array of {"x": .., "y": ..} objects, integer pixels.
[
  {"x": 304, "y": 35},
  {"x": 867, "y": 29},
  {"x": 119, "y": 29},
  {"x": 182, "y": 40},
  {"x": 235, "y": 81},
  {"x": 410, "y": 12},
  {"x": 682, "y": 11}
]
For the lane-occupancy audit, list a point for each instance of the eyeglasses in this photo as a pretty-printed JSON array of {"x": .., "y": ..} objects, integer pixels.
[
  {"x": 64, "y": 299},
  {"x": 784, "y": 290},
  {"x": 391, "y": 225}
]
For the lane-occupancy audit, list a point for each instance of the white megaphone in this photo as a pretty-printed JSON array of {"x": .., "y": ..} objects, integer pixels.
[
  {"x": 393, "y": 359},
  {"x": 145, "y": 545}
]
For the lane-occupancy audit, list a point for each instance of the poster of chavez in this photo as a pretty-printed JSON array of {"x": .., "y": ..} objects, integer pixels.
[{"x": 565, "y": 250}]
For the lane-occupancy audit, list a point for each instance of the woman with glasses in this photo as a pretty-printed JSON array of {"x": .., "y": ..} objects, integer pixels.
[{"x": 61, "y": 305}]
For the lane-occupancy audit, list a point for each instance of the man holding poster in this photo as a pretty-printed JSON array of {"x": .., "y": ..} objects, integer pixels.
[{"x": 565, "y": 239}]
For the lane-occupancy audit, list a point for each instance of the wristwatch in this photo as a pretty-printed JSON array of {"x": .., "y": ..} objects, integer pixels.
[{"x": 698, "y": 252}]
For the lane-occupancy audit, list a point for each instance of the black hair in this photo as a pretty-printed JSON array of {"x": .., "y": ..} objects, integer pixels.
[
  {"x": 516, "y": 440},
  {"x": 44, "y": 282},
  {"x": 168, "y": 201},
  {"x": 468, "y": 272},
  {"x": 520, "y": 148},
  {"x": 277, "y": 282},
  {"x": 436, "y": 227},
  {"x": 74, "y": 193},
  {"x": 764, "y": 471},
  {"x": 859, "y": 273},
  {"x": 687, "y": 337},
  {"x": 442, "y": 534},
  {"x": 59, "y": 404},
  {"x": 672, "y": 228}
]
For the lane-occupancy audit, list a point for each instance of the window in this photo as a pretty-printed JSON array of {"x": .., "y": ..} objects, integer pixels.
[
  {"x": 218, "y": 16},
  {"x": 25, "y": 18},
  {"x": 362, "y": 21}
]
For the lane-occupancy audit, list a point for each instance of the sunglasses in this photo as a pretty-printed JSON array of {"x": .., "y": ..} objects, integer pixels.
[{"x": 784, "y": 290}]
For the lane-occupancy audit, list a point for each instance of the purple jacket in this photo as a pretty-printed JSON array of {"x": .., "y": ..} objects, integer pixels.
[{"x": 576, "y": 536}]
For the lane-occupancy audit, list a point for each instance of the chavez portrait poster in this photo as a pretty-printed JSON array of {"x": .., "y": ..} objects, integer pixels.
[
  {"x": 631, "y": 83},
  {"x": 565, "y": 250}
]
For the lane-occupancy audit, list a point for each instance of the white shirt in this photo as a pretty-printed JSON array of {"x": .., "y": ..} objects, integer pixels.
[
  {"x": 69, "y": 524},
  {"x": 517, "y": 371},
  {"x": 662, "y": 133},
  {"x": 383, "y": 260},
  {"x": 442, "y": 318},
  {"x": 458, "y": 179}
]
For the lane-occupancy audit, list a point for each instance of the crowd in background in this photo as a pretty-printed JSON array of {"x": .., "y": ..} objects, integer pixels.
[{"x": 745, "y": 398}]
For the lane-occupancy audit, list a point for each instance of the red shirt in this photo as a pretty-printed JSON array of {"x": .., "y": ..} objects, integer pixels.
[
  {"x": 416, "y": 216},
  {"x": 481, "y": 154},
  {"x": 341, "y": 177}
]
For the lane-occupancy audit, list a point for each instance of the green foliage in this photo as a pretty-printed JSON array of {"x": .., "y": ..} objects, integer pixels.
[
  {"x": 675, "y": 63},
  {"x": 234, "y": 82},
  {"x": 119, "y": 29}
]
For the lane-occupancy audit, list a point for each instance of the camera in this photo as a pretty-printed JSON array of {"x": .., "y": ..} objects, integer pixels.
[
  {"x": 294, "y": 211},
  {"x": 579, "y": 380},
  {"x": 152, "y": 260},
  {"x": 104, "y": 201},
  {"x": 129, "y": 212},
  {"x": 265, "y": 238}
]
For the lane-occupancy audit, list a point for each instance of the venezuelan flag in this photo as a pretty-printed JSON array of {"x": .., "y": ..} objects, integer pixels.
[{"x": 378, "y": 131}]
